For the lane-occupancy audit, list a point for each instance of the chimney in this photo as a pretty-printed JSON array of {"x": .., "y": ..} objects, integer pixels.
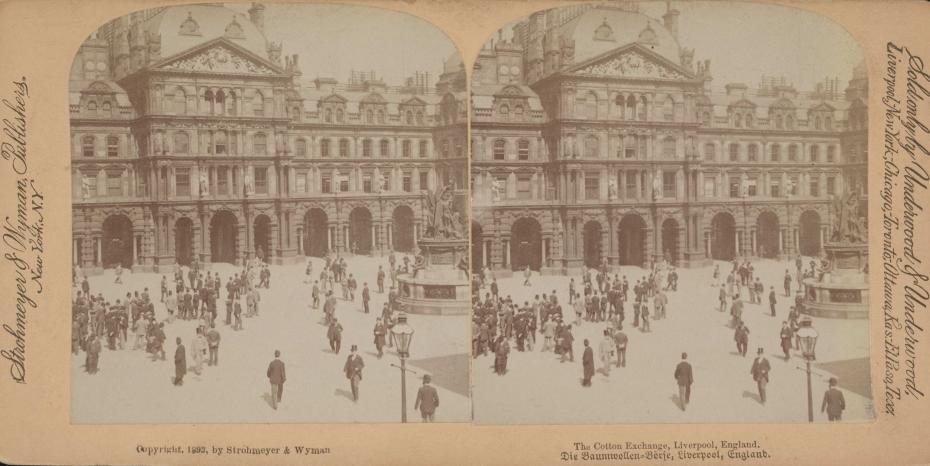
[
  {"x": 736, "y": 89},
  {"x": 257, "y": 16},
  {"x": 671, "y": 19}
]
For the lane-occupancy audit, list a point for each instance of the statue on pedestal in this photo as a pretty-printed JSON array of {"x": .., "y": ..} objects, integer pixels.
[{"x": 442, "y": 221}]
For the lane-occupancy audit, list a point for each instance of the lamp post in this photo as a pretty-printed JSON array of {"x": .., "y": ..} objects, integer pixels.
[
  {"x": 808, "y": 337},
  {"x": 403, "y": 335}
]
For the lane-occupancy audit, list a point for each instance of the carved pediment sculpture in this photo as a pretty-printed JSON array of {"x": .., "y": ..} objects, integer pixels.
[
  {"x": 631, "y": 64},
  {"x": 219, "y": 60}
]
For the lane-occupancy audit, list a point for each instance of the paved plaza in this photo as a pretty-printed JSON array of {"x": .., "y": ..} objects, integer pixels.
[
  {"x": 538, "y": 389},
  {"x": 131, "y": 388}
]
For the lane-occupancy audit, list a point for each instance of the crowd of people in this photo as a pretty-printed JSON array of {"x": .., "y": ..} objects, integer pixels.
[{"x": 615, "y": 306}]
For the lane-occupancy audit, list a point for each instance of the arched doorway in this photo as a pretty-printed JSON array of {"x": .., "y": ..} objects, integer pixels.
[
  {"x": 184, "y": 241},
  {"x": 632, "y": 240},
  {"x": 224, "y": 231},
  {"x": 117, "y": 241},
  {"x": 592, "y": 244},
  {"x": 670, "y": 247},
  {"x": 526, "y": 244},
  {"x": 809, "y": 233},
  {"x": 767, "y": 235},
  {"x": 261, "y": 236},
  {"x": 723, "y": 237},
  {"x": 402, "y": 219},
  {"x": 477, "y": 248},
  {"x": 316, "y": 233},
  {"x": 360, "y": 231}
]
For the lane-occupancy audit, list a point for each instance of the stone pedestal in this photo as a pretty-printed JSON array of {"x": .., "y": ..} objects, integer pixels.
[
  {"x": 440, "y": 287},
  {"x": 842, "y": 292}
]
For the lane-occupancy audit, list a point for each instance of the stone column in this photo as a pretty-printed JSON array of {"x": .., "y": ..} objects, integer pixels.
[{"x": 506, "y": 253}]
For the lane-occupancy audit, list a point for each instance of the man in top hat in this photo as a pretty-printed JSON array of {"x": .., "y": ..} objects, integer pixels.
[
  {"x": 833, "y": 402},
  {"x": 277, "y": 377},
  {"x": 427, "y": 399},
  {"x": 353, "y": 369},
  {"x": 760, "y": 373}
]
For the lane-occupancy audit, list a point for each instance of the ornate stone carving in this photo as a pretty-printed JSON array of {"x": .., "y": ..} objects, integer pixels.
[
  {"x": 219, "y": 60},
  {"x": 631, "y": 65}
]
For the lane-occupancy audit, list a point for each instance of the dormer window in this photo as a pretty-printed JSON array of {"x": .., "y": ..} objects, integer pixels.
[
  {"x": 604, "y": 32},
  {"x": 189, "y": 27},
  {"x": 328, "y": 116},
  {"x": 234, "y": 30},
  {"x": 92, "y": 107}
]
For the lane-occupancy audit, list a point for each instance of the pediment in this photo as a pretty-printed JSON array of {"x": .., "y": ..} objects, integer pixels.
[
  {"x": 334, "y": 99},
  {"x": 413, "y": 101},
  {"x": 823, "y": 107},
  {"x": 631, "y": 62},
  {"x": 744, "y": 103},
  {"x": 219, "y": 56}
]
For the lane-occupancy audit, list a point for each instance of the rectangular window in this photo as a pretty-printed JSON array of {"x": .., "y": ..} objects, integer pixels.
[
  {"x": 182, "y": 182},
  {"x": 734, "y": 187},
  {"x": 424, "y": 180},
  {"x": 302, "y": 182},
  {"x": 630, "y": 153},
  {"x": 408, "y": 183},
  {"x": 405, "y": 149},
  {"x": 87, "y": 146},
  {"x": 423, "y": 149},
  {"x": 631, "y": 188},
  {"x": 592, "y": 186},
  {"x": 815, "y": 187},
  {"x": 112, "y": 146},
  {"x": 710, "y": 188},
  {"x": 524, "y": 190},
  {"x": 366, "y": 183},
  {"x": 752, "y": 187},
  {"x": 221, "y": 185},
  {"x": 114, "y": 184},
  {"x": 831, "y": 186},
  {"x": 343, "y": 183},
  {"x": 775, "y": 189},
  {"x": 669, "y": 188},
  {"x": 831, "y": 153},
  {"x": 234, "y": 143},
  {"x": 261, "y": 180},
  {"x": 793, "y": 186},
  {"x": 327, "y": 182},
  {"x": 343, "y": 147},
  {"x": 366, "y": 148}
]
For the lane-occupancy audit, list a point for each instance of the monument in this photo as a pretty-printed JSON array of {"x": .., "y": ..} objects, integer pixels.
[
  {"x": 840, "y": 288},
  {"x": 439, "y": 281}
]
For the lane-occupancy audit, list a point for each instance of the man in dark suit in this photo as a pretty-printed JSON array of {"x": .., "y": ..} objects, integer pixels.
[
  {"x": 833, "y": 402},
  {"x": 180, "y": 363},
  {"x": 366, "y": 296},
  {"x": 276, "y": 377},
  {"x": 760, "y": 373},
  {"x": 427, "y": 399},
  {"x": 587, "y": 363},
  {"x": 353, "y": 370},
  {"x": 772, "y": 300},
  {"x": 685, "y": 377},
  {"x": 621, "y": 341}
]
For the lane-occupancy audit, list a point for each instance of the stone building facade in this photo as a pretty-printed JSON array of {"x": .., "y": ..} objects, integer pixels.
[
  {"x": 194, "y": 138},
  {"x": 597, "y": 137}
]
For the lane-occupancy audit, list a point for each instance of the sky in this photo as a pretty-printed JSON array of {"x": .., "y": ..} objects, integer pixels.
[
  {"x": 745, "y": 40},
  {"x": 332, "y": 40}
]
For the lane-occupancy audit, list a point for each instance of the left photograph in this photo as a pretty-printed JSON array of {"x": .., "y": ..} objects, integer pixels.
[{"x": 268, "y": 222}]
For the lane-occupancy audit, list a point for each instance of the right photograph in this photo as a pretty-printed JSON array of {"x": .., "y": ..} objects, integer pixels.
[{"x": 668, "y": 217}]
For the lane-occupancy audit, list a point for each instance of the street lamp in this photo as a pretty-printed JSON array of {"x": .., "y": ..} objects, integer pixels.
[
  {"x": 403, "y": 335},
  {"x": 808, "y": 339}
]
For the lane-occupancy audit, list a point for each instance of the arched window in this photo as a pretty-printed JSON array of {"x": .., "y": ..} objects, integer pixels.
[
  {"x": 749, "y": 121},
  {"x": 380, "y": 116},
  {"x": 180, "y": 101},
  {"x": 301, "y": 147},
  {"x": 779, "y": 123},
  {"x": 619, "y": 105},
  {"x": 220, "y": 102},
  {"x": 324, "y": 148},
  {"x": 87, "y": 146},
  {"x": 591, "y": 146},
  {"x": 630, "y": 107},
  {"x": 504, "y": 111},
  {"x": 258, "y": 104},
  {"x": 343, "y": 147},
  {"x": 405, "y": 148},
  {"x": 753, "y": 153},
  {"x": 181, "y": 143},
  {"x": 589, "y": 106},
  {"x": 669, "y": 148},
  {"x": 734, "y": 152},
  {"x": 112, "y": 146},
  {"x": 789, "y": 122},
  {"x": 815, "y": 154},
  {"x": 328, "y": 116},
  {"x": 420, "y": 120},
  {"x": 340, "y": 115},
  {"x": 231, "y": 106},
  {"x": 106, "y": 107},
  {"x": 499, "y": 149},
  {"x": 831, "y": 153},
  {"x": 710, "y": 152},
  {"x": 366, "y": 147},
  {"x": 369, "y": 116},
  {"x": 92, "y": 107},
  {"x": 643, "y": 104},
  {"x": 385, "y": 148},
  {"x": 776, "y": 153},
  {"x": 523, "y": 149},
  {"x": 208, "y": 101},
  {"x": 260, "y": 144}
]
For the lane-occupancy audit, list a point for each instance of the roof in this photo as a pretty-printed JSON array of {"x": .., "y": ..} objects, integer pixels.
[
  {"x": 202, "y": 23},
  {"x": 600, "y": 30}
]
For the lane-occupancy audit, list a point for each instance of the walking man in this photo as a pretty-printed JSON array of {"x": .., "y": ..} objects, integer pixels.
[
  {"x": 772, "y": 300},
  {"x": 427, "y": 400},
  {"x": 760, "y": 373},
  {"x": 180, "y": 363},
  {"x": 685, "y": 377},
  {"x": 366, "y": 297},
  {"x": 587, "y": 363},
  {"x": 833, "y": 402},
  {"x": 353, "y": 370},
  {"x": 620, "y": 339},
  {"x": 741, "y": 336},
  {"x": 276, "y": 376}
]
